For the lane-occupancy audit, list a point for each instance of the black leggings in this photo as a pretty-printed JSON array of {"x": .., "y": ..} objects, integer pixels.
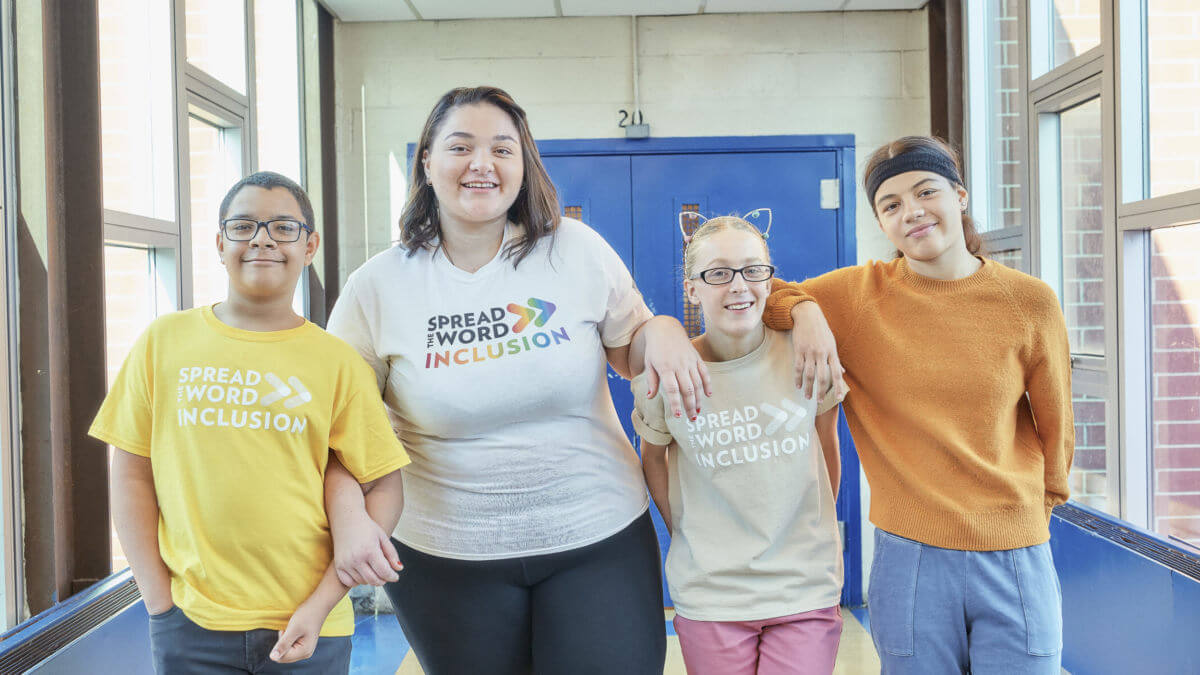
[{"x": 595, "y": 609}]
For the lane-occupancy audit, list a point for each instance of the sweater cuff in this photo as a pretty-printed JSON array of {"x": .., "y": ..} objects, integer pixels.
[{"x": 784, "y": 296}]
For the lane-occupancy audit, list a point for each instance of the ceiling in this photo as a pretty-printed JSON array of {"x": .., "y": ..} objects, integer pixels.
[{"x": 432, "y": 10}]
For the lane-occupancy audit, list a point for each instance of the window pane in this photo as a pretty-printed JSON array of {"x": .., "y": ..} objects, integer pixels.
[
  {"x": 1175, "y": 303},
  {"x": 1173, "y": 81},
  {"x": 216, "y": 39},
  {"x": 1005, "y": 129},
  {"x": 136, "y": 118},
  {"x": 1082, "y": 227},
  {"x": 1075, "y": 26},
  {"x": 129, "y": 306},
  {"x": 277, "y": 86},
  {"x": 1010, "y": 258},
  {"x": 213, "y": 159},
  {"x": 1089, "y": 476}
]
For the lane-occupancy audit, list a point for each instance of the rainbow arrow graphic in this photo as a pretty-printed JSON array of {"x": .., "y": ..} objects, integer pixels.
[{"x": 531, "y": 313}]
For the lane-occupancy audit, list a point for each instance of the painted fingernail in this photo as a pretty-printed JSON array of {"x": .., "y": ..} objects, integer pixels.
[{"x": 678, "y": 414}]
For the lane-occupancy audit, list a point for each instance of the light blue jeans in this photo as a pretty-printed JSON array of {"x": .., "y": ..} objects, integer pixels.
[{"x": 936, "y": 610}]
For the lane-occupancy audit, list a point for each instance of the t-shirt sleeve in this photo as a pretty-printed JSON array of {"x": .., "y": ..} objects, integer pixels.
[
  {"x": 625, "y": 310},
  {"x": 828, "y": 403},
  {"x": 126, "y": 417},
  {"x": 649, "y": 420},
  {"x": 349, "y": 321},
  {"x": 360, "y": 433}
]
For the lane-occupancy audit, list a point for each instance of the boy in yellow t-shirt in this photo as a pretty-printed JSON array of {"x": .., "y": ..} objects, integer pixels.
[{"x": 226, "y": 418}]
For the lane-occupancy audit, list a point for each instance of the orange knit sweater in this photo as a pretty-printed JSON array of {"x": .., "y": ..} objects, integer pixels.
[{"x": 960, "y": 398}]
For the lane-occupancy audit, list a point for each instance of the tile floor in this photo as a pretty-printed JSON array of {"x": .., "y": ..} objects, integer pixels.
[{"x": 380, "y": 648}]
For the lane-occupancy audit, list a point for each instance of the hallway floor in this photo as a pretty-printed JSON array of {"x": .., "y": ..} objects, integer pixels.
[{"x": 380, "y": 648}]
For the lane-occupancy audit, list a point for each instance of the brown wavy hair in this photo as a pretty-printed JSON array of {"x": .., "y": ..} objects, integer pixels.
[
  {"x": 535, "y": 210},
  {"x": 909, "y": 143}
]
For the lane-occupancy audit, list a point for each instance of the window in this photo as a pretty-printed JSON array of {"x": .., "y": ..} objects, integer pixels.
[
  {"x": 137, "y": 97},
  {"x": 1175, "y": 381},
  {"x": 214, "y": 163},
  {"x": 277, "y": 87},
  {"x": 216, "y": 40},
  {"x": 1081, "y": 220},
  {"x": 1172, "y": 81},
  {"x": 130, "y": 304}
]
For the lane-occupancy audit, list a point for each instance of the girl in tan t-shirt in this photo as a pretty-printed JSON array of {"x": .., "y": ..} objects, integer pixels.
[{"x": 756, "y": 570}]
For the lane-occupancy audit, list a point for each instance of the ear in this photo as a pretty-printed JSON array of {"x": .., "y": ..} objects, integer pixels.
[
  {"x": 689, "y": 291},
  {"x": 310, "y": 247},
  {"x": 221, "y": 247},
  {"x": 963, "y": 197},
  {"x": 425, "y": 163}
]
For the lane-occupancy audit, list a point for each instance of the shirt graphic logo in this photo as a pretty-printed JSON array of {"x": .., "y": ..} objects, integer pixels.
[
  {"x": 481, "y": 335},
  {"x": 527, "y": 314},
  {"x": 281, "y": 390},
  {"x": 780, "y": 417},
  {"x": 744, "y": 435},
  {"x": 209, "y": 396}
]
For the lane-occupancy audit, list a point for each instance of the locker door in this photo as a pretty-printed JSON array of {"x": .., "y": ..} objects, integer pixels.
[{"x": 803, "y": 238}]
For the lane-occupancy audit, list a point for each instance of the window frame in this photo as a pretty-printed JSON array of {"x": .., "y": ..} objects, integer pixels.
[
  {"x": 1115, "y": 70},
  {"x": 12, "y": 585}
]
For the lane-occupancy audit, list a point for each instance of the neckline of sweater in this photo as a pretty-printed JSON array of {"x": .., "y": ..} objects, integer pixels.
[{"x": 978, "y": 278}]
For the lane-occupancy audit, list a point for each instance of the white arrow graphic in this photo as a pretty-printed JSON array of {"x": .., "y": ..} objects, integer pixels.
[
  {"x": 302, "y": 396},
  {"x": 798, "y": 414},
  {"x": 779, "y": 417},
  {"x": 281, "y": 389}
]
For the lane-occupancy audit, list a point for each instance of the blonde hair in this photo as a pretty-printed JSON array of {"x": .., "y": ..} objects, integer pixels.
[{"x": 711, "y": 227}]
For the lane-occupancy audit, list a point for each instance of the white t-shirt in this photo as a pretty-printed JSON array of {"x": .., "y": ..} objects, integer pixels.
[
  {"x": 755, "y": 532},
  {"x": 496, "y": 382}
]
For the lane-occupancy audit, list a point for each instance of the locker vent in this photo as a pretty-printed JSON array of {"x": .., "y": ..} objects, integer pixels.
[
  {"x": 1181, "y": 561},
  {"x": 575, "y": 212},
  {"x": 693, "y": 318},
  {"x": 60, "y": 626}
]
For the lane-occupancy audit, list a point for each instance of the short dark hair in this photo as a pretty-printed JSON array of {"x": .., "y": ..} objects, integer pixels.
[{"x": 268, "y": 180}]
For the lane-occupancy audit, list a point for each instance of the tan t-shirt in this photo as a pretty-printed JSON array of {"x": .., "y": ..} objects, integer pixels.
[{"x": 755, "y": 532}]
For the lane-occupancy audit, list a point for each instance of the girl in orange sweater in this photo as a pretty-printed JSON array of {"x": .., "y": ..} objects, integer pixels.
[{"x": 960, "y": 406}]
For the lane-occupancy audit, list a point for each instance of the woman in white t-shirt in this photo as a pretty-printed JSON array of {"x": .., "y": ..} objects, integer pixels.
[
  {"x": 525, "y": 536},
  {"x": 747, "y": 488}
]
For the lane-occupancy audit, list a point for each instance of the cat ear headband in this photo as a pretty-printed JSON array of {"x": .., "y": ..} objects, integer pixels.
[{"x": 751, "y": 217}]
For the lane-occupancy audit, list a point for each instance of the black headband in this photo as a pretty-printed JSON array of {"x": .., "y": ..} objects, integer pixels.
[{"x": 917, "y": 159}]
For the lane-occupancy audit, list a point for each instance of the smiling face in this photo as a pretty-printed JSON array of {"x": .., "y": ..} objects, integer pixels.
[
  {"x": 475, "y": 164},
  {"x": 921, "y": 214},
  {"x": 262, "y": 268},
  {"x": 734, "y": 309}
]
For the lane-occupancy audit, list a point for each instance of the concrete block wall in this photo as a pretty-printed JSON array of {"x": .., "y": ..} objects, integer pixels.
[{"x": 864, "y": 73}]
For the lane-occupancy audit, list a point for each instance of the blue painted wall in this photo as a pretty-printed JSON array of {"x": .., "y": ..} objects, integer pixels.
[{"x": 1123, "y": 612}]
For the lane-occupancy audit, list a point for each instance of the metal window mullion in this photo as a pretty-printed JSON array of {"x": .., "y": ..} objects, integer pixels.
[
  {"x": 1110, "y": 145},
  {"x": 1134, "y": 355},
  {"x": 183, "y": 260}
]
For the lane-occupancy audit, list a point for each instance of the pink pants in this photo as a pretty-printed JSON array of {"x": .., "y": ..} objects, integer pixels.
[{"x": 800, "y": 644}]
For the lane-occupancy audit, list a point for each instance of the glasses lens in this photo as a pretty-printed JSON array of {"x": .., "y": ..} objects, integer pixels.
[
  {"x": 284, "y": 230},
  {"x": 757, "y": 273},
  {"x": 717, "y": 275},
  {"x": 240, "y": 230}
]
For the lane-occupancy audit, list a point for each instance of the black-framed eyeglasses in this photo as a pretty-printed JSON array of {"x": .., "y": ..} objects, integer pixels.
[
  {"x": 719, "y": 276},
  {"x": 281, "y": 230}
]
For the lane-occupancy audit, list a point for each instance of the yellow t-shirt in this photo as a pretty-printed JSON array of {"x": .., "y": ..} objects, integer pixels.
[{"x": 238, "y": 426}]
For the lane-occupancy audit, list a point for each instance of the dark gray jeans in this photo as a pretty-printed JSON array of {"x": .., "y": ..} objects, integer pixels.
[{"x": 181, "y": 647}]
